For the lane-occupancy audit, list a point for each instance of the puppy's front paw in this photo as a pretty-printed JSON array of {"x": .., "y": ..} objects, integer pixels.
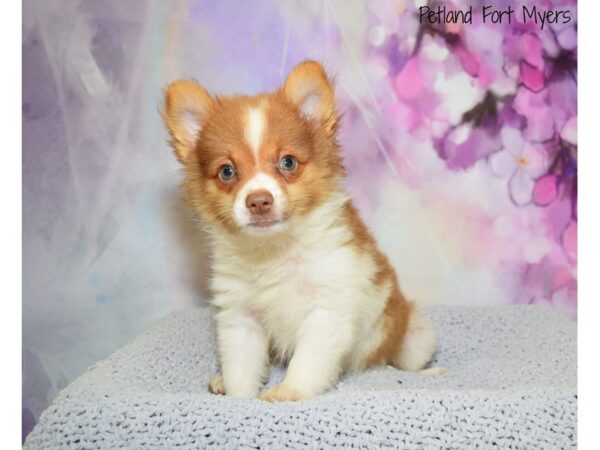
[
  {"x": 280, "y": 393},
  {"x": 216, "y": 385}
]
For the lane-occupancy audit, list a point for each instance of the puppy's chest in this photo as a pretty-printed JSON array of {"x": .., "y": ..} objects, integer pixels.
[
  {"x": 280, "y": 292},
  {"x": 290, "y": 284},
  {"x": 295, "y": 280}
]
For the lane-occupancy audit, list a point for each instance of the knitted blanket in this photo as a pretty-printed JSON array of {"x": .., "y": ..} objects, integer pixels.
[{"x": 510, "y": 383}]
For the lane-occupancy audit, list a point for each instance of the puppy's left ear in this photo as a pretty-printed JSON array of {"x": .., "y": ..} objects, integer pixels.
[{"x": 308, "y": 87}]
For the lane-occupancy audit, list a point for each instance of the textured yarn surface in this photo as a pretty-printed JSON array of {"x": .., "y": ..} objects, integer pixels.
[{"x": 510, "y": 383}]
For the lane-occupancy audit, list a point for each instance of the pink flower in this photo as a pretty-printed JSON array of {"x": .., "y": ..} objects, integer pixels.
[
  {"x": 468, "y": 60},
  {"x": 408, "y": 84},
  {"x": 545, "y": 190},
  {"x": 531, "y": 76},
  {"x": 540, "y": 115},
  {"x": 525, "y": 50},
  {"x": 523, "y": 163}
]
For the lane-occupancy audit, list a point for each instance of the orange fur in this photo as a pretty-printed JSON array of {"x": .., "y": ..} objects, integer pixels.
[{"x": 394, "y": 320}]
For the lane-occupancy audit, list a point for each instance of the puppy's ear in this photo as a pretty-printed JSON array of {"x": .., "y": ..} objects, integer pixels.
[
  {"x": 308, "y": 87},
  {"x": 186, "y": 106}
]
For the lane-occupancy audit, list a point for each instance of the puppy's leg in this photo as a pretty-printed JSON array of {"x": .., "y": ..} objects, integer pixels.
[
  {"x": 243, "y": 350},
  {"x": 324, "y": 338}
]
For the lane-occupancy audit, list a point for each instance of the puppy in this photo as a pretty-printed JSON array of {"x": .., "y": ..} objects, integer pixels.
[{"x": 297, "y": 276}]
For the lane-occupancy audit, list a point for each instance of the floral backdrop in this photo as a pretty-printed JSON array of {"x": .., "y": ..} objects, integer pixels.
[{"x": 460, "y": 140}]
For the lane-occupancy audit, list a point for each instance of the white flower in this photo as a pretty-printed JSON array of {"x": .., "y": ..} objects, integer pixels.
[{"x": 521, "y": 161}]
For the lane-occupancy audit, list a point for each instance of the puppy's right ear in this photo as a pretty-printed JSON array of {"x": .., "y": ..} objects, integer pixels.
[{"x": 186, "y": 105}]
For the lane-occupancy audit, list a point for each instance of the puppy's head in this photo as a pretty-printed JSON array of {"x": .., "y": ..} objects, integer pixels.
[{"x": 253, "y": 164}]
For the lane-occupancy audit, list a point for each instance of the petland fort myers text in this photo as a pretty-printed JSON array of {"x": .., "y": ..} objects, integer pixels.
[{"x": 493, "y": 15}]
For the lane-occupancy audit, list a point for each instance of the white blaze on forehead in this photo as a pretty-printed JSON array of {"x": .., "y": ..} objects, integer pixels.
[
  {"x": 255, "y": 127},
  {"x": 261, "y": 181}
]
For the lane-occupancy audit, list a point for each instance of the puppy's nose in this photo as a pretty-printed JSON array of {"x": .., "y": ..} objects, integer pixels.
[{"x": 259, "y": 202}]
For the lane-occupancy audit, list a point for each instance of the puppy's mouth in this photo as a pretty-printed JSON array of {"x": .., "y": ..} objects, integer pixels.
[
  {"x": 266, "y": 226},
  {"x": 264, "y": 223}
]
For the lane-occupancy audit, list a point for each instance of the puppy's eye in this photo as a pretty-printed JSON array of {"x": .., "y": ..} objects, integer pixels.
[
  {"x": 288, "y": 163},
  {"x": 226, "y": 172}
]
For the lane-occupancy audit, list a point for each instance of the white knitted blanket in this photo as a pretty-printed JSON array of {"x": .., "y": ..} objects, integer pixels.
[{"x": 510, "y": 383}]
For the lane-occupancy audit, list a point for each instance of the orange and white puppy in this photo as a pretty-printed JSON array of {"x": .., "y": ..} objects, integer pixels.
[{"x": 296, "y": 274}]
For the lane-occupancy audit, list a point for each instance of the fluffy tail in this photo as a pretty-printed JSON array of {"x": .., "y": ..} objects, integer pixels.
[{"x": 419, "y": 344}]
